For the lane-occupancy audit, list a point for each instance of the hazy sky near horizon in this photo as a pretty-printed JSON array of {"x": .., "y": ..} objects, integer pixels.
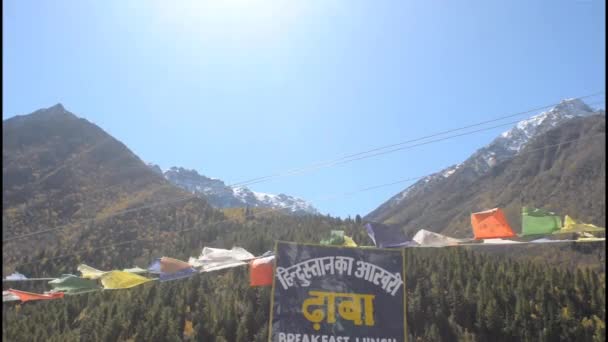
[{"x": 238, "y": 89}]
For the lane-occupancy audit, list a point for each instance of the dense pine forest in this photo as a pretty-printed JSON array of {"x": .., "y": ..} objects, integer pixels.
[{"x": 453, "y": 294}]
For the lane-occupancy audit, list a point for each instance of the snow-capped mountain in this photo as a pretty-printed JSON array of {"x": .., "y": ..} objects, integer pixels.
[
  {"x": 221, "y": 195},
  {"x": 506, "y": 146}
]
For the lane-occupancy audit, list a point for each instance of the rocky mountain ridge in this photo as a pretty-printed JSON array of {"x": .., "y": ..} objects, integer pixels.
[
  {"x": 503, "y": 148},
  {"x": 220, "y": 195}
]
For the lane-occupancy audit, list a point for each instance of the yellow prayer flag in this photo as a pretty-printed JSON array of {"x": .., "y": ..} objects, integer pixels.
[
  {"x": 348, "y": 242},
  {"x": 569, "y": 222},
  {"x": 122, "y": 280},
  {"x": 571, "y": 226}
]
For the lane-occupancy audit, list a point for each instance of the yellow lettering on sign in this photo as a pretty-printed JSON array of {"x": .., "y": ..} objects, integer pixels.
[{"x": 358, "y": 308}]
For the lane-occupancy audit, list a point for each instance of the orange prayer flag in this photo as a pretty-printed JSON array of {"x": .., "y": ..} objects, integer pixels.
[
  {"x": 27, "y": 296},
  {"x": 170, "y": 265},
  {"x": 171, "y": 269},
  {"x": 491, "y": 224},
  {"x": 261, "y": 271}
]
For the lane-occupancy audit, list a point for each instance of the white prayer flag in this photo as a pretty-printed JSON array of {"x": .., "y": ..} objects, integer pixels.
[{"x": 213, "y": 259}]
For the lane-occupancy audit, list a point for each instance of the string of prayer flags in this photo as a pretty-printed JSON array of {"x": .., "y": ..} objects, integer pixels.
[
  {"x": 491, "y": 224},
  {"x": 261, "y": 271},
  {"x": 8, "y": 296},
  {"x": 122, "y": 280},
  {"x": 538, "y": 221},
  {"x": 262, "y": 268},
  {"x": 16, "y": 276},
  {"x": 89, "y": 272},
  {"x": 213, "y": 259},
  {"x": 572, "y": 226},
  {"x": 385, "y": 236},
  {"x": 427, "y": 238},
  {"x": 71, "y": 284},
  {"x": 172, "y": 269},
  {"x": 29, "y": 296}
]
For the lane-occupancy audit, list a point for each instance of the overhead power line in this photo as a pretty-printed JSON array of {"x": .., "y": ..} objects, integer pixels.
[
  {"x": 407, "y": 147},
  {"x": 374, "y": 187},
  {"x": 354, "y": 157},
  {"x": 269, "y": 210},
  {"x": 318, "y": 165}
]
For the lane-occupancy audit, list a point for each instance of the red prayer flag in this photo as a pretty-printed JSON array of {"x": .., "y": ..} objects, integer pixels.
[
  {"x": 27, "y": 296},
  {"x": 261, "y": 271},
  {"x": 491, "y": 224}
]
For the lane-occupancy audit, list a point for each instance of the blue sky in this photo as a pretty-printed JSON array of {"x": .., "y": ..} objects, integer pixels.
[{"x": 238, "y": 89}]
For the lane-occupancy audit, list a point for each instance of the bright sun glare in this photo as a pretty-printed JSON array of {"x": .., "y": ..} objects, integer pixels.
[{"x": 242, "y": 20}]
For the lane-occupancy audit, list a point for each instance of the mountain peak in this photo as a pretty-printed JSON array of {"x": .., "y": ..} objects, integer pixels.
[
  {"x": 515, "y": 138},
  {"x": 57, "y": 108},
  {"x": 574, "y": 107},
  {"x": 54, "y": 111},
  {"x": 506, "y": 146},
  {"x": 49, "y": 113}
]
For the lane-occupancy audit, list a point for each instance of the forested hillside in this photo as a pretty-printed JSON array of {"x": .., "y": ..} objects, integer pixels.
[
  {"x": 453, "y": 294},
  {"x": 61, "y": 171}
]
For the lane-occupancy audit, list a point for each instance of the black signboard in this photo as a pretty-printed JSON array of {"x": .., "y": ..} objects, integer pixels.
[{"x": 337, "y": 294}]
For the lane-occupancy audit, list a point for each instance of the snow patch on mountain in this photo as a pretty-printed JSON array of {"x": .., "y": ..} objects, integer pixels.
[
  {"x": 402, "y": 195},
  {"x": 450, "y": 170},
  {"x": 516, "y": 138},
  {"x": 221, "y": 195}
]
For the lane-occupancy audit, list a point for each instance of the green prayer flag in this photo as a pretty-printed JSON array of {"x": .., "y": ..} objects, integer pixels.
[
  {"x": 538, "y": 221},
  {"x": 71, "y": 284},
  {"x": 336, "y": 238}
]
